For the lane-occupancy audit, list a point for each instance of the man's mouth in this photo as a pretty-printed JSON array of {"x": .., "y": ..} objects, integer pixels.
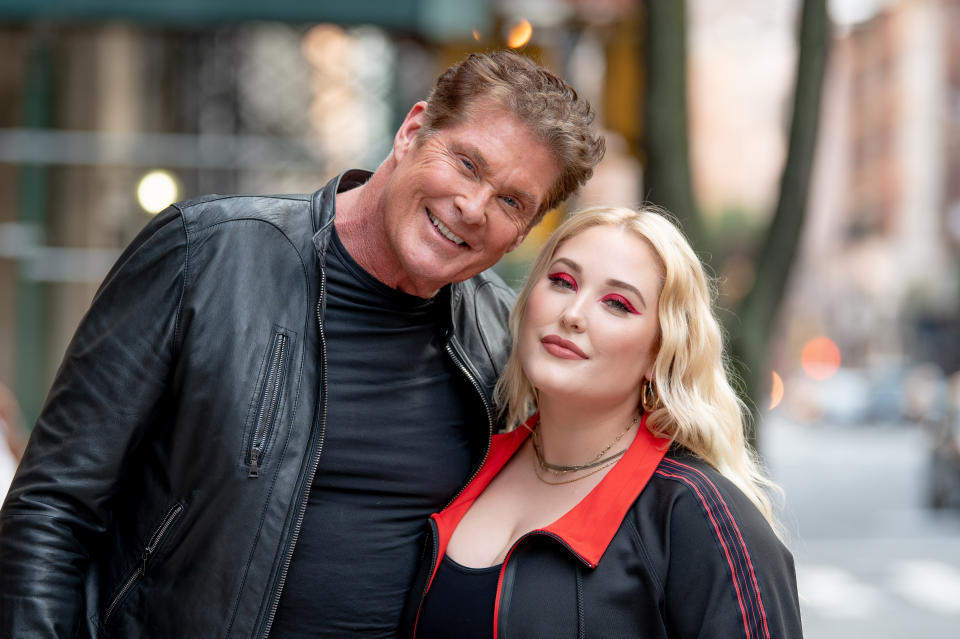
[{"x": 444, "y": 231}]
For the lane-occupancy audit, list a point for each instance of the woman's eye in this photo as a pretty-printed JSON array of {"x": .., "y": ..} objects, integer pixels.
[
  {"x": 511, "y": 202},
  {"x": 619, "y": 304},
  {"x": 562, "y": 280}
]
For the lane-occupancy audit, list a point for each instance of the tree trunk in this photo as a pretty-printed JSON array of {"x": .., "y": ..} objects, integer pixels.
[
  {"x": 667, "y": 180},
  {"x": 668, "y": 176},
  {"x": 758, "y": 312}
]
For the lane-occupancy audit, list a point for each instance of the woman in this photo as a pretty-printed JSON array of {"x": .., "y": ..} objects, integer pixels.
[{"x": 629, "y": 504}]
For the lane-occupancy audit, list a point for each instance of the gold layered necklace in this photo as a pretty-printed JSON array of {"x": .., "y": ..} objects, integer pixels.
[{"x": 595, "y": 465}]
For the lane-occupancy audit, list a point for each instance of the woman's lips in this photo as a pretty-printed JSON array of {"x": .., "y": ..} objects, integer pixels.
[{"x": 560, "y": 347}]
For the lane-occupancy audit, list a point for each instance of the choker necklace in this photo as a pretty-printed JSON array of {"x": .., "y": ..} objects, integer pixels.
[{"x": 598, "y": 463}]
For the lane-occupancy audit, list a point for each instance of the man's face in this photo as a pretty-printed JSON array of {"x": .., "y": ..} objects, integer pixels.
[{"x": 462, "y": 197}]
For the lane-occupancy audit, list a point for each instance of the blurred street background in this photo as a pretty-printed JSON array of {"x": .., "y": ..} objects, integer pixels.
[{"x": 809, "y": 148}]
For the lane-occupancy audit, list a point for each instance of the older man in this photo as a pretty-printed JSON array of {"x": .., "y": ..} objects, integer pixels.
[{"x": 269, "y": 394}]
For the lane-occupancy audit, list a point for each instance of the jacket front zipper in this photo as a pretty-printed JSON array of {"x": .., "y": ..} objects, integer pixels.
[
  {"x": 315, "y": 463},
  {"x": 486, "y": 405},
  {"x": 269, "y": 400},
  {"x": 476, "y": 385},
  {"x": 155, "y": 540}
]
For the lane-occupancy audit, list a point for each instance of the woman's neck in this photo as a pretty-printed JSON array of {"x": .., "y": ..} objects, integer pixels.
[{"x": 575, "y": 434}]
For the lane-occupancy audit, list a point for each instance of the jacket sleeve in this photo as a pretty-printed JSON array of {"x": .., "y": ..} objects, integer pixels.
[
  {"x": 115, "y": 370},
  {"x": 729, "y": 576}
]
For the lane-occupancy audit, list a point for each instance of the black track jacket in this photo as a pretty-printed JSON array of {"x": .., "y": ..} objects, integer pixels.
[{"x": 664, "y": 547}]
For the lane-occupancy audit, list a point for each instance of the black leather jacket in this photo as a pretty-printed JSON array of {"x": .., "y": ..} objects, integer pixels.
[{"x": 164, "y": 485}]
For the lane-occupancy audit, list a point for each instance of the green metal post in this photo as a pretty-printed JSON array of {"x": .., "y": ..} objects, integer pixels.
[{"x": 30, "y": 320}]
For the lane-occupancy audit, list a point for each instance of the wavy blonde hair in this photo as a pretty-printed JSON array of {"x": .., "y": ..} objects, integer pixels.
[{"x": 699, "y": 408}]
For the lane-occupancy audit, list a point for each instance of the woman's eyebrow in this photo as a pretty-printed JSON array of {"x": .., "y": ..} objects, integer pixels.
[
  {"x": 570, "y": 263},
  {"x": 631, "y": 288}
]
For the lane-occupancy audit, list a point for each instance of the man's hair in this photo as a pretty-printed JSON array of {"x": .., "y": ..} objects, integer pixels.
[{"x": 540, "y": 99}]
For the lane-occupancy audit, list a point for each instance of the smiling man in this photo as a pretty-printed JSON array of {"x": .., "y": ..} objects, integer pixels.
[{"x": 269, "y": 394}]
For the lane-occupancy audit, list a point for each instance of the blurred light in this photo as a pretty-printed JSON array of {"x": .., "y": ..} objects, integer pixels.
[
  {"x": 476, "y": 35},
  {"x": 157, "y": 190},
  {"x": 847, "y": 13},
  {"x": 320, "y": 42},
  {"x": 820, "y": 358},
  {"x": 519, "y": 34},
  {"x": 776, "y": 391}
]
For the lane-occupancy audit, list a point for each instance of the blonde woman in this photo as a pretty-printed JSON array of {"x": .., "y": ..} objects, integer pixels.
[{"x": 629, "y": 504}]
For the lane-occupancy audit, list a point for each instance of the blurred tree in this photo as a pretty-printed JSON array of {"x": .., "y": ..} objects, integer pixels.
[{"x": 668, "y": 181}]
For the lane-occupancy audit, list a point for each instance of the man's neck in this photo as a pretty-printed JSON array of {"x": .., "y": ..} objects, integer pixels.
[{"x": 359, "y": 223}]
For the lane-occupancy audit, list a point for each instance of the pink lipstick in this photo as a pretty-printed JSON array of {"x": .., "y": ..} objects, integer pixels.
[{"x": 563, "y": 348}]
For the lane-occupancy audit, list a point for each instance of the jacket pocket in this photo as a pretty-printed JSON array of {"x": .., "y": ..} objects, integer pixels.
[
  {"x": 266, "y": 406},
  {"x": 156, "y": 539}
]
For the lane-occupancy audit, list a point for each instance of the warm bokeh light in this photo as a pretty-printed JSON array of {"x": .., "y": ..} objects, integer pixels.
[
  {"x": 820, "y": 358},
  {"x": 776, "y": 391},
  {"x": 476, "y": 35},
  {"x": 519, "y": 34},
  {"x": 157, "y": 190},
  {"x": 319, "y": 41}
]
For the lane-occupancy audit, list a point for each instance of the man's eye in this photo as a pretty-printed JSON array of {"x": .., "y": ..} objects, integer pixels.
[{"x": 468, "y": 165}]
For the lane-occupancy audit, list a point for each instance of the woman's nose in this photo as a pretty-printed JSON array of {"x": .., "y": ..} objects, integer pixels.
[{"x": 573, "y": 316}]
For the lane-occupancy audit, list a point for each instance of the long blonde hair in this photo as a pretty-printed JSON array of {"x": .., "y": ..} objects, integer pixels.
[{"x": 699, "y": 408}]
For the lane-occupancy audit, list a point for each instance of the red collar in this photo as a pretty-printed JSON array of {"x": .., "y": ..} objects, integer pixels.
[{"x": 589, "y": 526}]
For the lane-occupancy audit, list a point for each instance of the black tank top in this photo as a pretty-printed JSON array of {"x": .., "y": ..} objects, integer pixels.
[{"x": 460, "y": 602}]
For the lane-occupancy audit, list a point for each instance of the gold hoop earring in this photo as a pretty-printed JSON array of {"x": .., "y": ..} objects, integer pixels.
[{"x": 649, "y": 398}]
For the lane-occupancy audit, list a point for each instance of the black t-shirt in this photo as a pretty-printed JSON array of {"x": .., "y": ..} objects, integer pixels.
[{"x": 402, "y": 430}]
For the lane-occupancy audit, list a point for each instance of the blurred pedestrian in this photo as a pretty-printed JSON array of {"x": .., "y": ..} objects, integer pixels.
[
  {"x": 269, "y": 395},
  {"x": 11, "y": 438}
]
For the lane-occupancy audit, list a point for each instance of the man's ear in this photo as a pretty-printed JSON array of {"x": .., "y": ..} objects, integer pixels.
[{"x": 407, "y": 134}]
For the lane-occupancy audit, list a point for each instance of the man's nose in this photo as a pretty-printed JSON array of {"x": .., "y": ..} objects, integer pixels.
[{"x": 473, "y": 203}]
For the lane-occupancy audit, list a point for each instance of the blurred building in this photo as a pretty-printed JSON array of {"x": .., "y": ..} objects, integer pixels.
[{"x": 879, "y": 270}]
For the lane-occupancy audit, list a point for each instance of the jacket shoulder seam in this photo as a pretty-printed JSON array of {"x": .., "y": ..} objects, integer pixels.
[
  {"x": 645, "y": 554},
  {"x": 177, "y": 332}
]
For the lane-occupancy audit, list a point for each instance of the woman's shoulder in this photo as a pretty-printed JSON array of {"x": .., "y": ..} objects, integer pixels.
[
  {"x": 713, "y": 547},
  {"x": 688, "y": 498}
]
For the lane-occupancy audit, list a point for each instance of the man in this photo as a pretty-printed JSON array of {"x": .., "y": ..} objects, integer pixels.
[{"x": 269, "y": 394}]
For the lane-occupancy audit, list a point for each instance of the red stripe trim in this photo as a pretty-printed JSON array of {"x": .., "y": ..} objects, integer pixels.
[
  {"x": 722, "y": 536},
  {"x": 743, "y": 544}
]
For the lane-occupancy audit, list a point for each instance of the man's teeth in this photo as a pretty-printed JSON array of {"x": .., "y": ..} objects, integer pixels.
[{"x": 444, "y": 231}]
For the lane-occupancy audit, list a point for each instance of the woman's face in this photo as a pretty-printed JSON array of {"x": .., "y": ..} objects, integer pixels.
[{"x": 590, "y": 329}]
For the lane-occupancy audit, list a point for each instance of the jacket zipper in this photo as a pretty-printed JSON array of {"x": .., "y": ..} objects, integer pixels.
[
  {"x": 435, "y": 535},
  {"x": 483, "y": 398},
  {"x": 273, "y": 388},
  {"x": 172, "y": 515},
  {"x": 486, "y": 405},
  {"x": 314, "y": 465},
  {"x": 506, "y": 565}
]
